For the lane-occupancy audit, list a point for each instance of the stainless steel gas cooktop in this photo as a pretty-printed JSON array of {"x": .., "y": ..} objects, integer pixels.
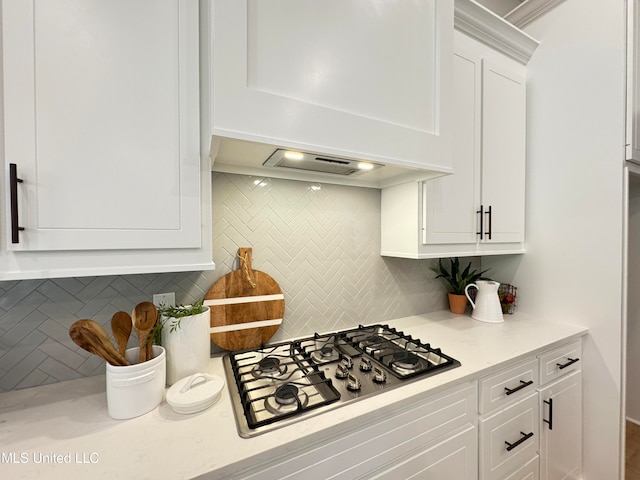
[{"x": 283, "y": 383}]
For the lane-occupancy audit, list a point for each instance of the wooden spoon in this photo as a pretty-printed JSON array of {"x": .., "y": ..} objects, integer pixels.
[
  {"x": 93, "y": 338},
  {"x": 144, "y": 317},
  {"x": 121, "y": 327}
]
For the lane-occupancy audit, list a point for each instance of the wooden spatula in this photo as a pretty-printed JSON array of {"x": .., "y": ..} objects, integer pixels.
[
  {"x": 93, "y": 338},
  {"x": 144, "y": 317},
  {"x": 121, "y": 327}
]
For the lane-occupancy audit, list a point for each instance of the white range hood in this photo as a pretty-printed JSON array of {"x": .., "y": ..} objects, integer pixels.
[{"x": 230, "y": 155}]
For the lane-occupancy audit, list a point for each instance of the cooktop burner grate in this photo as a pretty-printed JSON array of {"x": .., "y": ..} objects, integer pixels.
[{"x": 278, "y": 384}]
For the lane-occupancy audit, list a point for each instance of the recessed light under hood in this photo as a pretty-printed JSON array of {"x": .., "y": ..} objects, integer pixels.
[{"x": 282, "y": 158}]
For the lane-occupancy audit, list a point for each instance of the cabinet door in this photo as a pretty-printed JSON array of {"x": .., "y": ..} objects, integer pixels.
[
  {"x": 633, "y": 82},
  {"x": 503, "y": 151},
  {"x": 357, "y": 79},
  {"x": 509, "y": 439},
  {"x": 450, "y": 202},
  {"x": 101, "y": 119},
  {"x": 452, "y": 458},
  {"x": 561, "y": 429}
]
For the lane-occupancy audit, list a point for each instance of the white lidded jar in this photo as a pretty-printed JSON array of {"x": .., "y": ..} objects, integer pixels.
[{"x": 188, "y": 345}]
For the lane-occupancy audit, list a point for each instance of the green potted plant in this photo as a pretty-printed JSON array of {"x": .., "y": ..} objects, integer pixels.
[{"x": 457, "y": 280}]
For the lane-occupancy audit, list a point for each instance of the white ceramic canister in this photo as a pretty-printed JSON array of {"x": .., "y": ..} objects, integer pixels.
[
  {"x": 188, "y": 345},
  {"x": 136, "y": 389}
]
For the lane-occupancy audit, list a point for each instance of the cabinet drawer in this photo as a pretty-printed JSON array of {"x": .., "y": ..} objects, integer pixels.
[
  {"x": 508, "y": 385},
  {"x": 560, "y": 361},
  {"x": 509, "y": 439},
  {"x": 531, "y": 471}
]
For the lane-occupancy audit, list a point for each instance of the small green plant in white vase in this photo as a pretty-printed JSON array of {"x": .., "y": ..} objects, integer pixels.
[{"x": 184, "y": 333}]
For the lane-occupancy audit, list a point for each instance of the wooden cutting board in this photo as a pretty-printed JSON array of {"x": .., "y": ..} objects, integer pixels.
[{"x": 246, "y": 305}]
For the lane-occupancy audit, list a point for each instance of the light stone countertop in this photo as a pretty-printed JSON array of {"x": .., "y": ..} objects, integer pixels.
[{"x": 68, "y": 422}]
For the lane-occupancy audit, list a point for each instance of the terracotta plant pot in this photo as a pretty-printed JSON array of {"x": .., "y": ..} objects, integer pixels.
[{"x": 457, "y": 303}]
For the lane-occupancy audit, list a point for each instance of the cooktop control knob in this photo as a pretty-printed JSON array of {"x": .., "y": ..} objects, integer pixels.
[
  {"x": 353, "y": 383},
  {"x": 341, "y": 371},
  {"x": 365, "y": 365},
  {"x": 347, "y": 361},
  {"x": 379, "y": 376}
]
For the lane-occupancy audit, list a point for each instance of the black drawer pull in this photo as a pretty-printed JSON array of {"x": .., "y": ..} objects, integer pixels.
[
  {"x": 481, "y": 212},
  {"x": 13, "y": 193},
  {"x": 525, "y": 436},
  {"x": 571, "y": 361},
  {"x": 523, "y": 384},
  {"x": 550, "y": 421}
]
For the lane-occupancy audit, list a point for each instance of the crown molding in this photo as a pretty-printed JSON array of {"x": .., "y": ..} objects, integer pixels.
[
  {"x": 485, "y": 26},
  {"x": 529, "y": 10}
]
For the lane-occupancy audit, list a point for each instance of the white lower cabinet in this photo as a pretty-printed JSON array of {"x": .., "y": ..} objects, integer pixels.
[
  {"x": 531, "y": 418},
  {"x": 509, "y": 438},
  {"x": 452, "y": 458},
  {"x": 522, "y": 422},
  {"x": 432, "y": 438},
  {"x": 561, "y": 428}
]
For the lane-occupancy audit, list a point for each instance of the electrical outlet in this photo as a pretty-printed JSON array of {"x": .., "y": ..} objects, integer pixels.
[{"x": 164, "y": 299}]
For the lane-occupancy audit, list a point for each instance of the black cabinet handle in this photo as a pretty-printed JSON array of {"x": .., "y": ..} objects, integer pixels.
[
  {"x": 571, "y": 361},
  {"x": 550, "y": 421},
  {"x": 13, "y": 190},
  {"x": 525, "y": 436},
  {"x": 523, "y": 384},
  {"x": 488, "y": 212},
  {"x": 481, "y": 212}
]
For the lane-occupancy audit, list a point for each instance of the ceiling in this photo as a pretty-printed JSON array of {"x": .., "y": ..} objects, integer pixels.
[
  {"x": 500, "y": 7},
  {"x": 519, "y": 12}
]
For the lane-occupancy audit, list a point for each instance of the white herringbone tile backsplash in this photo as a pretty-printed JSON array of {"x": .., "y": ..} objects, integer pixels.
[{"x": 320, "y": 242}]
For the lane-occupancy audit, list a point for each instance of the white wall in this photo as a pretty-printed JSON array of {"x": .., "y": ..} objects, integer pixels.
[{"x": 572, "y": 270}]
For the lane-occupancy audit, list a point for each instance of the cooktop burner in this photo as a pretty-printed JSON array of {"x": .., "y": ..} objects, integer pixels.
[{"x": 279, "y": 384}]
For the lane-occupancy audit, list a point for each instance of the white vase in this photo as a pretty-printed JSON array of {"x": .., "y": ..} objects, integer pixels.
[{"x": 188, "y": 346}]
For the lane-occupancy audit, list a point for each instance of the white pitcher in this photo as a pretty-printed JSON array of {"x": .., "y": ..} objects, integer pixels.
[{"x": 487, "y": 305}]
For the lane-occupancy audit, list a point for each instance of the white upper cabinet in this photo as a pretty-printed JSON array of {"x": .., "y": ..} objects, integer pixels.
[
  {"x": 484, "y": 201},
  {"x": 503, "y": 151},
  {"x": 449, "y": 203},
  {"x": 481, "y": 208},
  {"x": 102, "y": 123},
  {"x": 363, "y": 80},
  {"x": 633, "y": 81}
]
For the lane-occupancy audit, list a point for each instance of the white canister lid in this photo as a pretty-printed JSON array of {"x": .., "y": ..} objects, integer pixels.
[{"x": 194, "y": 393}]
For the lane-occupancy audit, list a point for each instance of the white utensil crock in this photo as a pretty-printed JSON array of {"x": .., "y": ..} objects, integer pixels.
[
  {"x": 136, "y": 389},
  {"x": 188, "y": 346},
  {"x": 487, "y": 307}
]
